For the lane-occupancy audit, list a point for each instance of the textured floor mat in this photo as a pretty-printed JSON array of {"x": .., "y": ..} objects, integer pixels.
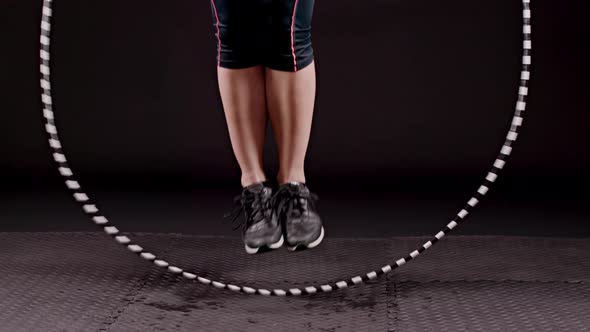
[
  {"x": 491, "y": 306},
  {"x": 86, "y": 282}
]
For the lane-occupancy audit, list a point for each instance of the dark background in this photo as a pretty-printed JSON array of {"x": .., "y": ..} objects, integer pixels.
[{"x": 414, "y": 99}]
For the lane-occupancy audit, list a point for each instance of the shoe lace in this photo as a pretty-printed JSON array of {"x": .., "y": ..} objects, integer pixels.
[
  {"x": 252, "y": 207},
  {"x": 291, "y": 202}
]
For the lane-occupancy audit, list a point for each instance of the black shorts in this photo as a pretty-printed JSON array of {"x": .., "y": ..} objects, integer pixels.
[{"x": 273, "y": 33}]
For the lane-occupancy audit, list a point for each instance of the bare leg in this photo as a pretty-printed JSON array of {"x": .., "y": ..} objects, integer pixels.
[
  {"x": 291, "y": 97},
  {"x": 243, "y": 96}
]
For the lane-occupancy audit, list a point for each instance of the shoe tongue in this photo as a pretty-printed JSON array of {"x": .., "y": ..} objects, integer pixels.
[
  {"x": 295, "y": 188},
  {"x": 298, "y": 186}
]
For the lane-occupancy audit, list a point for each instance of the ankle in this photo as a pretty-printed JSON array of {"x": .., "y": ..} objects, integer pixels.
[
  {"x": 291, "y": 178},
  {"x": 249, "y": 179}
]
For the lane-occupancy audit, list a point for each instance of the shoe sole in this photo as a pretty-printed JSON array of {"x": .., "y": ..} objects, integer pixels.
[
  {"x": 255, "y": 250},
  {"x": 312, "y": 244}
]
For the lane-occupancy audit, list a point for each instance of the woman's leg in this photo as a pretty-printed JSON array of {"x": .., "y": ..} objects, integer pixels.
[
  {"x": 290, "y": 97},
  {"x": 290, "y": 93},
  {"x": 241, "y": 83},
  {"x": 291, "y": 85},
  {"x": 238, "y": 25},
  {"x": 244, "y": 103}
]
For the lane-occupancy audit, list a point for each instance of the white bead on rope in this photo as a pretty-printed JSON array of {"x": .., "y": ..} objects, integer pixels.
[{"x": 60, "y": 159}]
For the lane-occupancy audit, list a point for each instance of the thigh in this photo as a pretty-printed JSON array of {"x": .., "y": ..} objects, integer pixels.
[
  {"x": 290, "y": 34},
  {"x": 238, "y": 25},
  {"x": 288, "y": 13}
]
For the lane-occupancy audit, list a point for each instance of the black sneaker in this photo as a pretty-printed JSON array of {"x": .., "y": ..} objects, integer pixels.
[
  {"x": 295, "y": 207},
  {"x": 259, "y": 231}
]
